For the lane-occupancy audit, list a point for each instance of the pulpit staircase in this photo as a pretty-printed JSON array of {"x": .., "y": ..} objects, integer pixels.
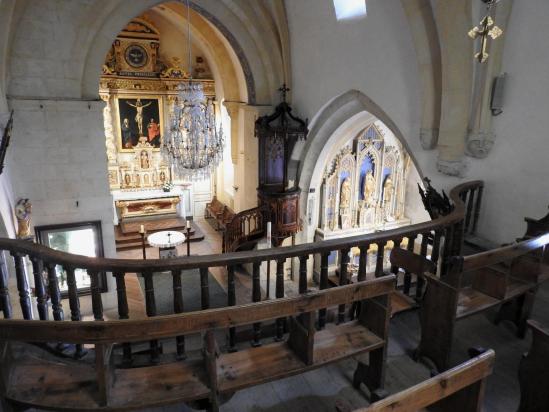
[{"x": 245, "y": 229}]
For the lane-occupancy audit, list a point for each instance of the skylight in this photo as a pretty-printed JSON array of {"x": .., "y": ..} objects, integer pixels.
[{"x": 350, "y": 9}]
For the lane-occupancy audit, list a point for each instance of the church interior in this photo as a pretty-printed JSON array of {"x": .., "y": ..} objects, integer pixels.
[{"x": 274, "y": 205}]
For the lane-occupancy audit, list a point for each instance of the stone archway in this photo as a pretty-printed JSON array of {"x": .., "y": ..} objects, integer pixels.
[{"x": 343, "y": 116}]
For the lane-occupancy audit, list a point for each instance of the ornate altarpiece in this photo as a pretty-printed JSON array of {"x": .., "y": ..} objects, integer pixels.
[
  {"x": 364, "y": 188},
  {"x": 135, "y": 68}
]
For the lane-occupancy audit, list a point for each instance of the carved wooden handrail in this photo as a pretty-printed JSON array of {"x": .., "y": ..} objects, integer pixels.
[
  {"x": 236, "y": 258},
  {"x": 443, "y": 235},
  {"x": 245, "y": 226}
]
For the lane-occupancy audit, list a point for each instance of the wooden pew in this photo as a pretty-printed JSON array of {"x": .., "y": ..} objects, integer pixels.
[
  {"x": 214, "y": 208},
  {"x": 40, "y": 382},
  {"x": 534, "y": 372},
  {"x": 460, "y": 389},
  {"x": 507, "y": 277}
]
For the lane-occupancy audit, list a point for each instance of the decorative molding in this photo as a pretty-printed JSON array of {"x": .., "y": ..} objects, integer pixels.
[
  {"x": 452, "y": 168},
  {"x": 248, "y": 75},
  {"x": 479, "y": 144},
  {"x": 428, "y": 138},
  {"x": 114, "y": 84}
]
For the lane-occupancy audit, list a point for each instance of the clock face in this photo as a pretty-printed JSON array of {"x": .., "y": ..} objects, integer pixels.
[{"x": 136, "y": 56}]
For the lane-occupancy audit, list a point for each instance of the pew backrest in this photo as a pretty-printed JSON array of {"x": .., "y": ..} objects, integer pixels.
[
  {"x": 194, "y": 378},
  {"x": 533, "y": 372},
  {"x": 458, "y": 389}
]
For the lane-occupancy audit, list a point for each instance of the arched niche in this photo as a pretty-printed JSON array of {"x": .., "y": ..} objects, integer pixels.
[
  {"x": 338, "y": 121},
  {"x": 240, "y": 29}
]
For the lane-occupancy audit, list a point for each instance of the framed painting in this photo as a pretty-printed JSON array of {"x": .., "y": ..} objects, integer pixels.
[
  {"x": 139, "y": 116},
  {"x": 82, "y": 238}
]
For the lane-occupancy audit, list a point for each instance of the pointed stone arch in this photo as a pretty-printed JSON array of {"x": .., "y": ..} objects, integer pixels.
[{"x": 343, "y": 116}]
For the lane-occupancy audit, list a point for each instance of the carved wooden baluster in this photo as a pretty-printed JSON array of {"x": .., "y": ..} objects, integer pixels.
[
  {"x": 323, "y": 284},
  {"x": 150, "y": 306},
  {"x": 74, "y": 304},
  {"x": 256, "y": 297},
  {"x": 5, "y": 303},
  {"x": 22, "y": 285},
  {"x": 469, "y": 213},
  {"x": 407, "y": 274},
  {"x": 419, "y": 276},
  {"x": 435, "y": 253},
  {"x": 279, "y": 293},
  {"x": 178, "y": 307},
  {"x": 447, "y": 250},
  {"x": 477, "y": 210},
  {"x": 39, "y": 288},
  {"x": 123, "y": 312},
  {"x": 362, "y": 262},
  {"x": 204, "y": 289},
  {"x": 55, "y": 294},
  {"x": 379, "y": 258},
  {"x": 343, "y": 280},
  {"x": 303, "y": 274},
  {"x": 231, "y": 295},
  {"x": 361, "y": 276},
  {"x": 97, "y": 303},
  {"x": 396, "y": 244}
]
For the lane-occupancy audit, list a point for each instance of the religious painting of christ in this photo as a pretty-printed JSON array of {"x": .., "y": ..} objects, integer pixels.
[{"x": 139, "y": 116}]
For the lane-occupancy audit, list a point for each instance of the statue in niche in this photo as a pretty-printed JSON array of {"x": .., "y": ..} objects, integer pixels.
[
  {"x": 369, "y": 187},
  {"x": 23, "y": 215},
  {"x": 388, "y": 191},
  {"x": 144, "y": 160},
  {"x": 345, "y": 194},
  {"x": 345, "y": 203},
  {"x": 139, "y": 113}
]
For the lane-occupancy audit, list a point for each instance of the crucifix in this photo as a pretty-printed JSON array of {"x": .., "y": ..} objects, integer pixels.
[
  {"x": 283, "y": 90},
  {"x": 485, "y": 29}
]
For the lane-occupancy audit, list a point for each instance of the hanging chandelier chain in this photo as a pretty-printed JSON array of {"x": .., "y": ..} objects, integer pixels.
[{"x": 193, "y": 145}]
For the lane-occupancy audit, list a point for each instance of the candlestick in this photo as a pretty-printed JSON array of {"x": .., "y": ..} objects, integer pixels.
[
  {"x": 142, "y": 229},
  {"x": 188, "y": 224}
]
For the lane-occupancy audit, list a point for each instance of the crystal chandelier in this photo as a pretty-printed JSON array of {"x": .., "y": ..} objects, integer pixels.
[{"x": 192, "y": 146}]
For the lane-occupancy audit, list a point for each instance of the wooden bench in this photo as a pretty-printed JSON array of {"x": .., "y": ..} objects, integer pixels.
[
  {"x": 214, "y": 208},
  {"x": 460, "y": 389},
  {"x": 209, "y": 374},
  {"x": 534, "y": 372},
  {"x": 507, "y": 277},
  {"x": 224, "y": 218}
]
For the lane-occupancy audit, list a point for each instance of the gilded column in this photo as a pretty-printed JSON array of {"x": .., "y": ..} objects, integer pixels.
[{"x": 110, "y": 141}]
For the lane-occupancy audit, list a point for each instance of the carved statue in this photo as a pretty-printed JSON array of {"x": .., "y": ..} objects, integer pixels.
[
  {"x": 144, "y": 160},
  {"x": 369, "y": 187},
  {"x": 345, "y": 194},
  {"x": 388, "y": 189},
  {"x": 23, "y": 214}
]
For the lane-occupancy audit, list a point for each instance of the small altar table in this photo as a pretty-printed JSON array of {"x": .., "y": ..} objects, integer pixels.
[{"x": 166, "y": 242}]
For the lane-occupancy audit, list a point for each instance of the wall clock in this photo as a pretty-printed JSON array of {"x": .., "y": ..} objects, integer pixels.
[{"x": 136, "y": 56}]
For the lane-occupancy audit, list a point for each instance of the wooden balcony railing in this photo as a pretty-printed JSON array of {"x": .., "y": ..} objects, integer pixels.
[
  {"x": 438, "y": 239},
  {"x": 442, "y": 237}
]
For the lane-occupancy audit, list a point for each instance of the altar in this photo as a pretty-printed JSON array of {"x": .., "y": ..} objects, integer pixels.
[{"x": 152, "y": 202}]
